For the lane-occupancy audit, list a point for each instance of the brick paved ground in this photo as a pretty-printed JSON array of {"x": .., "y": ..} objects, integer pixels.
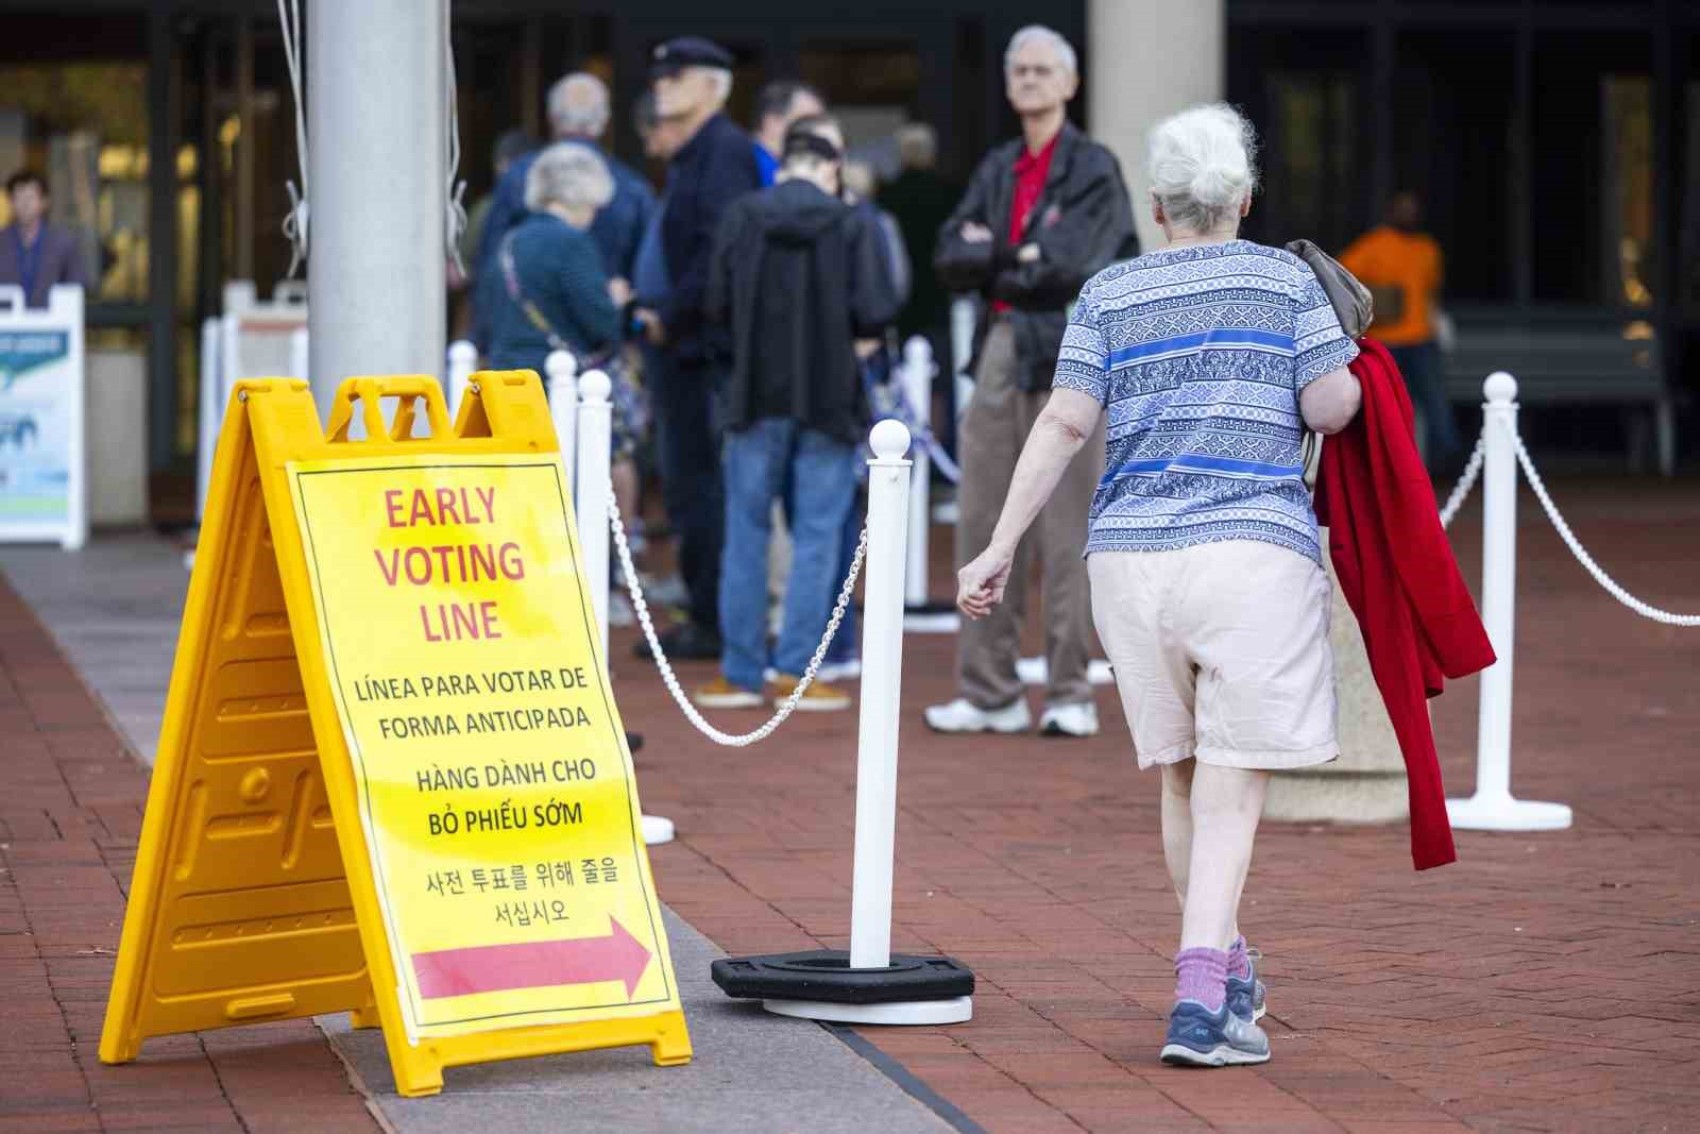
[
  {"x": 1546, "y": 982},
  {"x": 71, "y": 800}
]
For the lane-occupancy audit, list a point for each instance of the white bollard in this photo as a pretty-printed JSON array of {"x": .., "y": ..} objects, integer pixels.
[
  {"x": 463, "y": 360},
  {"x": 882, "y": 687},
  {"x": 210, "y": 415},
  {"x": 867, "y": 984},
  {"x": 595, "y": 426},
  {"x": 561, "y": 383},
  {"x": 916, "y": 376},
  {"x": 962, "y": 319},
  {"x": 921, "y": 616},
  {"x": 1493, "y": 808},
  {"x": 590, "y": 492},
  {"x": 298, "y": 355}
]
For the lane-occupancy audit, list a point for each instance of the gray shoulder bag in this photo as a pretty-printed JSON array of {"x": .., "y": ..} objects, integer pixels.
[{"x": 1352, "y": 305}]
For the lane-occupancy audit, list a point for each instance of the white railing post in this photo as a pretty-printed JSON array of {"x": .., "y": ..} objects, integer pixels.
[
  {"x": 463, "y": 360},
  {"x": 1492, "y": 807},
  {"x": 590, "y": 496},
  {"x": 210, "y": 415},
  {"x": 916, "y": 376},
  {"x": 867, "y": 984},
  {"x": 595, "y": 428},
  {"x": 882, "y": 684},
  {"x": 561, "y": 384},
  {"x": 962, "y": 317},
  {"x": 299, "y": 365}
]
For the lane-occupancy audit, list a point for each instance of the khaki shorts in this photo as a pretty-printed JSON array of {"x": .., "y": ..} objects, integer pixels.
[{"x": 1220, "y": 652}]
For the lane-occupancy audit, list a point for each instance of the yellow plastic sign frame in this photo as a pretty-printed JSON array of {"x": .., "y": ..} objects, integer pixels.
[{"x": 253, "y": 896}]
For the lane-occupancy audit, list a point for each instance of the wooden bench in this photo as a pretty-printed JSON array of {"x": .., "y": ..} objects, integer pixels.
[{"x": 1571, "y": 359}]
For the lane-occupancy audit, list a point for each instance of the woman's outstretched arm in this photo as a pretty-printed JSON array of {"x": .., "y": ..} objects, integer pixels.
[{"x": 1068, "y": 419}]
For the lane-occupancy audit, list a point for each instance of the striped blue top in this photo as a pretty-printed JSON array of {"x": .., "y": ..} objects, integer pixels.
[{"x": 1198, "y": 355}]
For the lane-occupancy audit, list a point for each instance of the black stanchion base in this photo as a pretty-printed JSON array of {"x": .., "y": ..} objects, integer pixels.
[{"x": 825, "y": 975}]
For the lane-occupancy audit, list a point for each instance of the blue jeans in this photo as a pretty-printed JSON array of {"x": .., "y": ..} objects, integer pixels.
[
  {"x": 821, "y": 472},
  {"x": 1420, "y": 365}
]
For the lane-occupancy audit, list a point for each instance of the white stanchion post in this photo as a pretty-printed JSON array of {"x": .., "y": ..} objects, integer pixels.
[
  {"x": 463, "y": 360},
  {"x": 921, "y": 615},
  {"x": 590, "y": 495},
  {"x": 882, "y": 685},
  {"x": 876, "y": 783},
  {"x": 595, "y": 427},
  {"x": 561, "y": 383},
  {"x": 210, "y": 415},
  {"x": 1492, "y": 807},
  {"x": 299, "y": 365},
  {"x": 916, "y": 376}
]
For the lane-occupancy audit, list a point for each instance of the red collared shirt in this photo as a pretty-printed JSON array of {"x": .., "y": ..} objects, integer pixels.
[{"x": 1031, "y": 172}]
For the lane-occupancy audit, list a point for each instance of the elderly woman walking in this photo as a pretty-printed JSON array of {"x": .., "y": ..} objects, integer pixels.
[{"x": 1210, "y": 356}]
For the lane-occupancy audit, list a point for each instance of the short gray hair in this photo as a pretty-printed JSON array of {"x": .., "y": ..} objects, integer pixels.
[
  {"x": 578, "y": 106},
  {"x": 571, "y": 174},
  {"x": 721, "y": 79},
  {"x": 1039, "y": 33},
  {"x": 1202, "y": 164}
]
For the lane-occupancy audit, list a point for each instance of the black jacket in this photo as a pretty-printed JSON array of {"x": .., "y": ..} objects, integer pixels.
[
  {"x": 799, "y": 276},
  {"x": 713, "y": 169},
  {"x": 1083, "y": 222}
]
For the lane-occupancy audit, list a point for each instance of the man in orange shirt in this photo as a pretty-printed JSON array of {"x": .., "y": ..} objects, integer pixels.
[{"x": 1401, "y": 265}]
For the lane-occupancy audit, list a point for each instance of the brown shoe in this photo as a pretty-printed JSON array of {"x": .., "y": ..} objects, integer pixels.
[
  {"x": 819, "y": 698},
  {"x": 722, "y": 694}
]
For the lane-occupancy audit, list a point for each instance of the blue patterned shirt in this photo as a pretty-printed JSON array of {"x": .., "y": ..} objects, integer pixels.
[{"x": 1198, "y": 355}]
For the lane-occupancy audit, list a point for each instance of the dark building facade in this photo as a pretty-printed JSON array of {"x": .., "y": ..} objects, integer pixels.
[{"x": 1556, "y": 142}]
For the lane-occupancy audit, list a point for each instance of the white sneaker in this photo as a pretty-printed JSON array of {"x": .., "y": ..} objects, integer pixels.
[
  {"x": 961, "y": 715},
  {"x": 1069, "y": 720},
  {"x": 620, "y": 612}
]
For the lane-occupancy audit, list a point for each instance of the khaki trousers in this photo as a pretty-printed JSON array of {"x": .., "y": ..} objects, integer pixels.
[{"x": 1000, "y": 415}]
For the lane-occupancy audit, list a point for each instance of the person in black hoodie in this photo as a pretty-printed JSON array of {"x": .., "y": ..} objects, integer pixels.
[{"x": 797, "y": 277}]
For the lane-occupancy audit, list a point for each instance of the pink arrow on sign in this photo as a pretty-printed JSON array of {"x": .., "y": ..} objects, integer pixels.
[{"x": 533, "y": 964}]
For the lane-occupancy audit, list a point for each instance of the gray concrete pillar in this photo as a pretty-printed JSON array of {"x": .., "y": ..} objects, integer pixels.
[
  {"x": 1148, "y": 59},
  {"x": 1367, "y": 783},
  {"x": 378, "y": 162}
]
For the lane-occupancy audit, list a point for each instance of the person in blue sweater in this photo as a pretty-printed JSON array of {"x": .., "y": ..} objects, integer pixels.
[
  {"x": 546, "y": 288},
  {"x": 578, "y": 112}
]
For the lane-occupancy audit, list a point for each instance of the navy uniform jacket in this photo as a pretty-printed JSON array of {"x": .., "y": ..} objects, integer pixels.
[{"x": 709, "y": 172}]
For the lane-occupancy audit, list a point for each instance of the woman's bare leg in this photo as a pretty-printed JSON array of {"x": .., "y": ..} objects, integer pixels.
[{"x": 1226, "y": 805}]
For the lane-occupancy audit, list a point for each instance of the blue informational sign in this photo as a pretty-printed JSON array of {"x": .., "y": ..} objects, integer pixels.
[{"x": 42, "y": 483}]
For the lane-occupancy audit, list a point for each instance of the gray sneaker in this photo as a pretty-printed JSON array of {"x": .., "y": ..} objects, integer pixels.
[
  {"x": 1199, "y": 1037},
  {"x": 1245, "y": 997}
]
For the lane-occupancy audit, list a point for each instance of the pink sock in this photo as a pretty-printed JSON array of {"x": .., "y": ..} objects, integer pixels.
[
  {"x": 1239, "y": 964},
  {"x": 1201, "y": 975}
]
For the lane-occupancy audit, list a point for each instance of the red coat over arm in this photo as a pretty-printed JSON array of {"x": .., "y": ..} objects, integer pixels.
[{"x": 1399, "y": 576}]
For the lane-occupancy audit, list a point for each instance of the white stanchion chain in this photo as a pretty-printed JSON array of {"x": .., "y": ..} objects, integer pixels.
[
  {"x": 1611, "y": 586},
  {"x": 1461, "y": 490},
  {"x": 730, "y": 740}
]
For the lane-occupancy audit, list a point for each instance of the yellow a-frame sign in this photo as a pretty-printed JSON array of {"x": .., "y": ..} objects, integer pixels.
[{"x": 391, "y": 778}]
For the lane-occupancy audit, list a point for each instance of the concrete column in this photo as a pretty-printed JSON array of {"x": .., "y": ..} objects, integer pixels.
[
  {"x": 377, "y": 165},
  {"x": 1148, "y": 59},
  {"x": 1367, "y": 783}
]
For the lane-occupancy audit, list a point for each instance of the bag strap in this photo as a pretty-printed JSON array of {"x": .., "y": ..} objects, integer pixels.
[{"x": 510, "y": 277}]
